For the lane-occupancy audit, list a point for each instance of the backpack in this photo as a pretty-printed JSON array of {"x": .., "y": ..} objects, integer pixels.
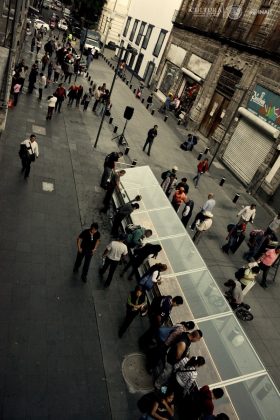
[
  {"x": 165, "y": 174},
  {"x": 239, "y": 274},
  {"x": 130, "y": 228}
]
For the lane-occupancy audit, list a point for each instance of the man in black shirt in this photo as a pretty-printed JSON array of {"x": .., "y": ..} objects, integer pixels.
[
  {"x": 87, "y": 243},
  {"x": 122, "y": 212},
  {"x": 183, "y": 183},
  {"x": 109, "y": 165},
  {"x": 139, "y": 256},
  {"x": 152, "y": 133}
]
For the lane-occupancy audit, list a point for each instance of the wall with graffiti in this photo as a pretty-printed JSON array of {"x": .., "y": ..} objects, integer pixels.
[{"x": 266, "y": 105}]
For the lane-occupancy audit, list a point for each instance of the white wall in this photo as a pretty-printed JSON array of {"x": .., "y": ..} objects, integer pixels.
[
  {"x": 112, "y": 19},
  {"x": 155, "y": 12}
]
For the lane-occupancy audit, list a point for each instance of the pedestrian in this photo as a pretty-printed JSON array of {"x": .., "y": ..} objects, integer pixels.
[
  {"x": 113, "y": 184},
  {"x": 187, "y": 212},
  {"x": 139, "y": 256},
  {"x": 152, "y": 276},
  {"x": 178, "y": 198},
  {"x": 60, "y": 94},
  {"x": 235, "y": 237},
  {"x": 152, "y": 133},
  {"x": 32, "y": 78},
  {"x": 72, "y": 94},
  {"x": 50, "y": 72},
  {"x": 122, "y": 212},
  {"x": 200, "y": 403},
  {"x": 33, "y": 43},
  {"x": 191, "y": 142},
  {"x": 22, "y": 76},
  {"x": 113, "y": 254},
  {"x": 51, "y": 105},
  {"x": 247, "y": 214},
  {"x": 183, "y": 183},
  {"x": 89, "y": 59},
  {"x": 16, "y": 92},
  {"x": 150, "y": 99},
  {"x": 203, "y": 226},
  {"x": 29, "y": 151},
  {"x": 135, "y": 238},
  {"x": 169, "y": 184},
  {"x": 97, "y": 96},
  {"x": 274, "y": 227},
  {"x": 69, "y": 72},
  {"x": 109, "y": 165},
  {"x": 79, "y": 95},
  {"x": 202, "y": 167},
  {"x": 86, "y": 99},
  {"x": 41, "y": 85},
  {"x": 38, "y": 46},
  {"x": 235, "y": 294},
  {"x": 45, "y": 59},
  {"x": 136, "y": 304},
  {"x": 57, "y": 72},
  {"x": 207, "y": 206},
  {"x": 167, "y": 173},
  {"x": 184, "y": 376},
  {"x": 87, "y": 244},
  {"x": 266, "y": 261}
]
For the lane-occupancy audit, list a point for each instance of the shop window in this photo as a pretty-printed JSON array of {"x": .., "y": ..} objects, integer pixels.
[
  {"x": 189, "y": 93},
  {"x": 127, "y": 26},
  {"x": 140, "y": 33},
  {"x": 134, "y": 28},
  {"x": 170, "y": 78},
  {"x": 147, "y": 36},
  {"x": 159, "y": 43}
]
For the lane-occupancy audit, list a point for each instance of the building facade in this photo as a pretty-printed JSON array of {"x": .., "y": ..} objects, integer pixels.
[
  {"x": 146, "y": 32},
  {"x": 13, "y": 15},
  {"x": 112, "y": 19},
  {"x": 223, "y": 62}
]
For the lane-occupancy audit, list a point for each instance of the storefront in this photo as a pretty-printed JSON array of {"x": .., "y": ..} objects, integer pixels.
[{"x": 255, "y": 134}]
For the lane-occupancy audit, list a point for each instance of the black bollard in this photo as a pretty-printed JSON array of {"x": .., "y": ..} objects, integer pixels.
[
  {"x": 111, "y": 120},
  {"x": 130, "y": 86},
  {"x": 134, "y": 90},
  {"x": 126, "y": 150},
  {"x": 165, "y": 118},
  {"x": 91, "y": 83},
  {"x": 134, "y": 162},
  {"x": 156, "y": 89},
  {"x": 127, "y": 82},
  {"x": 222, "y": 181},
  {"x": 147, "y": 106},
  {"x": 152, "y": 111},
  {"x": 236, "y": 197},
  {"x": 206, "y": 150},
  {"x": 142, "y": 100},
  {"x": 179, "y": 122},
  {"x": 89, "y": 78},
  {"x": 199, "y": 156},
  {"x": 115, "y": 129},
  {"x": 86, "y": 74}
]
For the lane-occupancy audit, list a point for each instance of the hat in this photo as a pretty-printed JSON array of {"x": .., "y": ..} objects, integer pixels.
[
  {"x": 175, "y": 168},
  {"x": 208, "y": 214}
]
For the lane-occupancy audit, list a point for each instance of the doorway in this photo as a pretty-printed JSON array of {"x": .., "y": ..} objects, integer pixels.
[
  {"x": 149, "y": 72},
  {"x": 214, "y": 114},
  {"x": 138, "y": 63}
]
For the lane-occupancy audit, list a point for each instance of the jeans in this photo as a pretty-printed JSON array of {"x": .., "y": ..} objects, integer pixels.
[
  {"x": 58, "y": 104},
  {"x": 80, "y": 256},
  {"x": 40, "y": 93},
  {"x": 148, "y": 143},
  {"x": 196, "y": 178},
  {"x": 200, "y": 217},
  {"x": 112, "y": 265},
  {"x": 105, "y": 176},
  {"x": 265, "y": 270}
]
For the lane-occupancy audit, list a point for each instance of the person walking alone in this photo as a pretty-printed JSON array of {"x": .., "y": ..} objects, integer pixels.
[
  {"x": 87, "y": 244},
  {"x": 247, "y": 214},
  {"x": 152, "y": 133},
  {"x": 52, "y": 100},
  {"x": 136, "y": 304},
  {"x": 113, "y": 253},
  {"x": 207, "y": 206},
  {"x": 202, "y": 167},
  {"x": 29, "y": 151},
  {"x": 203, "y": 225}
]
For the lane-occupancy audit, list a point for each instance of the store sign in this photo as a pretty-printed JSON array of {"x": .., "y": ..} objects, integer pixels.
[
  {"x": 199, "y": 66},
  {"x": 266, "y": 105}
]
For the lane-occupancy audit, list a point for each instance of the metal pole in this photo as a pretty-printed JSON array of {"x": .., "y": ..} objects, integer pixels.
[{"x": 111, "y": 89}]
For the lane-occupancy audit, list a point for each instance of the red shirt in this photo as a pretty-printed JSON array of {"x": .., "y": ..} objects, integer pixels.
[
  {"x": 179, "y": 197},
  {"x": 202, "y": 166},
  {"x": 207, "y": 406}
]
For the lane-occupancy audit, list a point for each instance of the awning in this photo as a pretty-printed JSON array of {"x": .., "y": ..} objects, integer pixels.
[
  {"x": 192, "y": 75},
  {"x": 263, "y": 125}
]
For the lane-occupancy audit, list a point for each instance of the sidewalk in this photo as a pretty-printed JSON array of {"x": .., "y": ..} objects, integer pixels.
[{"x": 60, "y": 353}]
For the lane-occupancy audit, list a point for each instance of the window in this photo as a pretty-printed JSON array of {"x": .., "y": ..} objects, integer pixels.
[
  {"x": 170, "y": 78},
  {"x": 127, "y": 26},
  {"x": 146, "y": 38},
  {"x": 140, "y": 33},
  {"x": 133, "y": 30},
  {"x": 159, "y": 43}
]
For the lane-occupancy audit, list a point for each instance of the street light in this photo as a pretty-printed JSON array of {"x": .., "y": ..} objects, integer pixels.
[{"x": 121, "y": 49}]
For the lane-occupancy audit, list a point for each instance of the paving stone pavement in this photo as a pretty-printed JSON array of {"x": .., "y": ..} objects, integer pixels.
[{"x": 60, "y": 356}]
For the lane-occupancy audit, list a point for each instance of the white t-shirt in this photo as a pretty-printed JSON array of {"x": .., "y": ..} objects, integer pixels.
[
  {"x": 116, "y": 250},
  {"x": 34, "y": 147},
  {"x": 52, "y": 102}
]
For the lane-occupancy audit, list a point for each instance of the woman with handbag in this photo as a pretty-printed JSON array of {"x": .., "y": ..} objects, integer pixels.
[
  {"x": 28, "y": 152},
  {"x": 152, "y": 276},
  {"x": 184, "y": 376}
]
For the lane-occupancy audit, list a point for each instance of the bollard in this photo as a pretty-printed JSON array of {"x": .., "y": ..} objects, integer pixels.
[
  {"x": 115, "y": 129},
  {"x": 130, "y": 86},
  {"x": 86, "y": 74},
  {"x": 222, "y": 181},
  {"x": 134, "y": 91},
  {"x": 165, "y": 118},
  {"x": 156, "y": 89},
  {"x": 199, "y": 156},
  {"x": 126, "y": 150},
  {"x": 89, "y": 78},
  {"x": 127, "y": 82},
  {"x": 147, "y": 106},
  {"x": 142, "y": 100},
  {"x": 111, "y": 120},
  {"x": 236, "y": 197},
  {"x": 152, "y": 111},
  {"x": 134, "y": 162},
  {"x": 179, "y": 122},
  {"x": 91, "y": 83},
  {"x": 206, "y": 150}
]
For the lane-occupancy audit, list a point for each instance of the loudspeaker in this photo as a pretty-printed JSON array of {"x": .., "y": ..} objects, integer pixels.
[{"x": 128, "y": 113}]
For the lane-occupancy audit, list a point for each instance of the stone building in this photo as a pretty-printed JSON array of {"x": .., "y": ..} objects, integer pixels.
[
  {"x": 13, "y": 14},
  {"x": 222, "y": 60},
  {"x": 112, "y": 18}
]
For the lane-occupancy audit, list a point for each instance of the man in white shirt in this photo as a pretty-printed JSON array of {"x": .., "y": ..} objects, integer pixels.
[
  {"x": 29, "y": 150},
  {"x": 207, "y": 206},
  {"x": 203, "y": 225},
  {"x": 51, "y": 105},
  {"x": 113, "y": 253},
  {"x": 247, "y": 214},
  {"x": 41, "y": 85}
]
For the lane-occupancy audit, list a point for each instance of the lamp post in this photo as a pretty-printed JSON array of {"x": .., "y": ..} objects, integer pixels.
[
  {"x": 121, "y": 49},
  {"x": 245, "y": 90},
  {"x": 132, "y": 74}
]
